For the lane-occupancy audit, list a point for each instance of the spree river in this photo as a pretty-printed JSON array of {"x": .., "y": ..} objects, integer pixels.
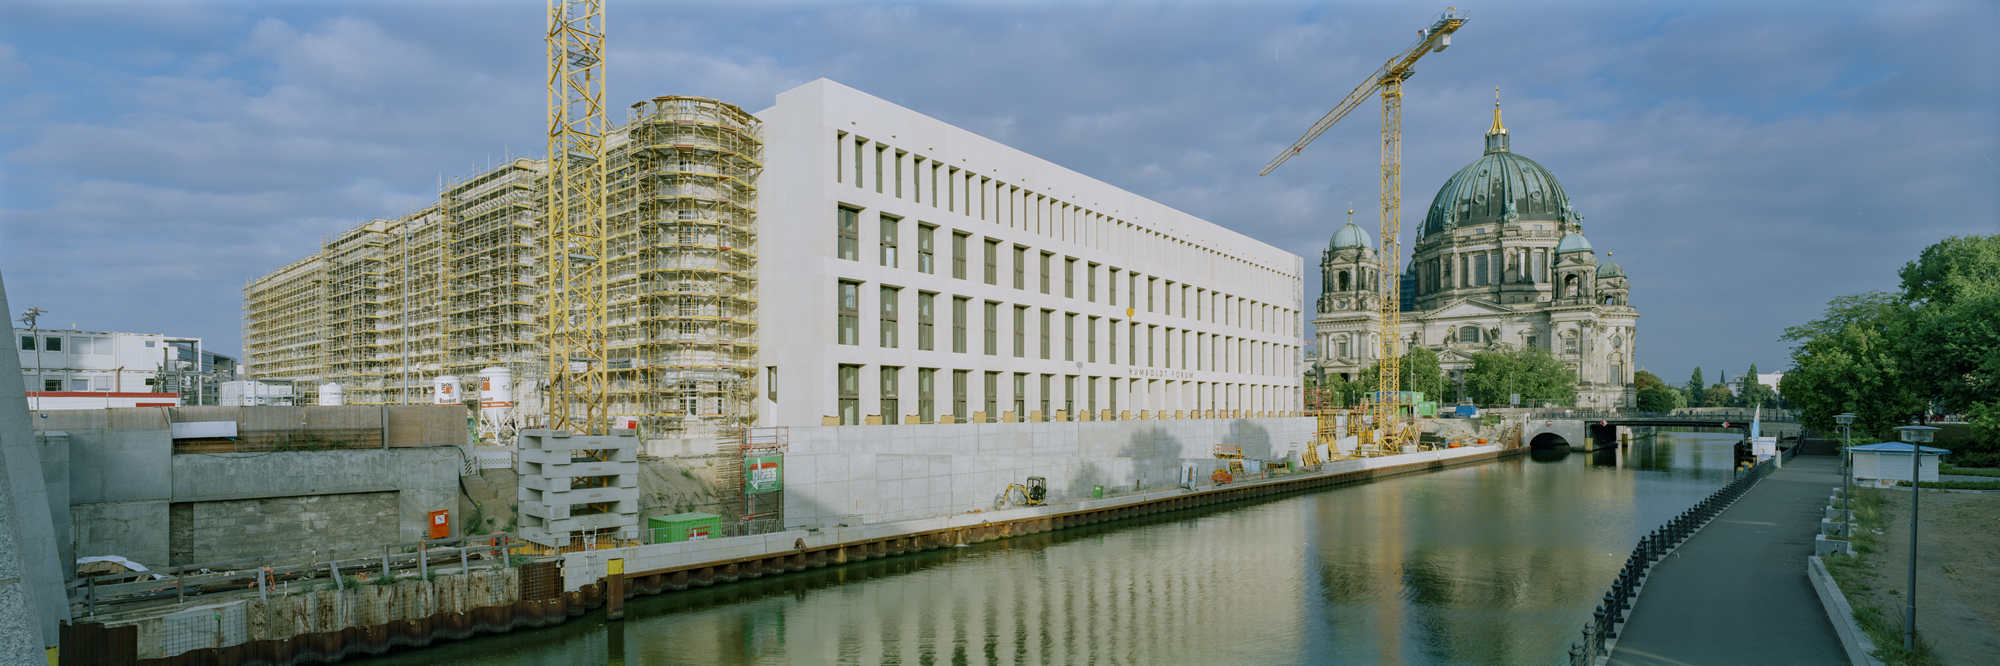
[{"x": 1496, "y": 563}]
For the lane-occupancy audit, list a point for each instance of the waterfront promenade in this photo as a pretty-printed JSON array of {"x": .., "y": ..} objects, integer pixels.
[{"x": 1737, "y": 592}]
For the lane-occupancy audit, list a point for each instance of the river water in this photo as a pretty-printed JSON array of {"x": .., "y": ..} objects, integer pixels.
[{"x": 1497, "y": 563}]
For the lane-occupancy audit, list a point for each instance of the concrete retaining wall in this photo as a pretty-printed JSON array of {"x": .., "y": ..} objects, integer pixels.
[{"x": 877, "y": 474}]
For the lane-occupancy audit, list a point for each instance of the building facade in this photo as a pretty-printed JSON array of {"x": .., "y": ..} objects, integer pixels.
[
  {"x": 77, "y": 369},
  {"x": 915, "y": 272},
  {"x": 832, "y": 259},
  {"x": 1500, "y": 262}
]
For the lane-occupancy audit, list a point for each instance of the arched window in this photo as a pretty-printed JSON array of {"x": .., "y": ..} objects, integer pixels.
[
  {"x": 1468, "y": 334},
  {"x": 1569, "y": 343},
  {"x": 1572, "y": 287},
  {"x": 1344, "y": 281}
]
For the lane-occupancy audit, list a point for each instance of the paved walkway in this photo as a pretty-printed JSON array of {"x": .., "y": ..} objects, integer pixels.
[{"x": 1737, "y": 592}]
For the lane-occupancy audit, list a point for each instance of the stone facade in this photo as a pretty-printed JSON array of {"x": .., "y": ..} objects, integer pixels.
[
  {"x": 232, "y": 529},
  {"x": 1500, "y": 262}
]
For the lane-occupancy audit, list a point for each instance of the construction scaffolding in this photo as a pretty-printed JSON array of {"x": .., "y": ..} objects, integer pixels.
[{"x": 459, "y": 286}]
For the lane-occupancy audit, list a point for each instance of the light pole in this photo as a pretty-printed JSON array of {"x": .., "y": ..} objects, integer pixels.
[
  {"x": 28, "y": 317},
  {"x": 1916, "y": 436},
  {"x": 1847, "y": 457}
]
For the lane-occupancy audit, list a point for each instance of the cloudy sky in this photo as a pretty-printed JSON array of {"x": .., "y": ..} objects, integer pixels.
[{"x": 1745, "y": 162}]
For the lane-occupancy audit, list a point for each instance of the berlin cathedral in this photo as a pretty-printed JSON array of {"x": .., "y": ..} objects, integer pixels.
[{"x": 1500, "y": 262}]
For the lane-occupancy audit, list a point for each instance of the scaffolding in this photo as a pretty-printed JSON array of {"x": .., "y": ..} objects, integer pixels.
[{"x": 459, "y": 286}]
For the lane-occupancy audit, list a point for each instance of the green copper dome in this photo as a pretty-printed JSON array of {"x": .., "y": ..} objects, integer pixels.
[
  {"x": 1573, "y": 243},
  {"x": 1610, "y": 269},
  {"x": 1349, "y": 236},
  {"x": 1500, "y": 186}
]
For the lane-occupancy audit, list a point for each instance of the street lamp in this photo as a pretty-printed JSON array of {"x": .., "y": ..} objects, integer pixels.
[
  {"x": 28, "y": 317},
  {"x": 1847, "y": 492},
  {"x": 1916, "y": 436}
]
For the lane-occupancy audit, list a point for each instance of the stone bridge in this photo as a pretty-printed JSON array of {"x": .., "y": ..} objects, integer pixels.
[{"x": 1592, "y": 430}]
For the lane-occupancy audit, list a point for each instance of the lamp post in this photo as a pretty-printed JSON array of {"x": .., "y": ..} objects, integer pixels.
[
  {"x": 1916, "y": 436},
  {"x": 1847, "y": 491},
  {"x": 28, "y": 317}
]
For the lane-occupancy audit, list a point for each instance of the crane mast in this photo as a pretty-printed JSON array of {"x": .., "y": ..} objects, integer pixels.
[
  {"x": 1388, "y": 82},
  {"x": 575, "y": 289}
]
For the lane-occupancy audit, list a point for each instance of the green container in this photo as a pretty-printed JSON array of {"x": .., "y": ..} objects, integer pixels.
[
  {"x": 1097, "y": 492},
  {"x": 682, "y": 526},
  {"x": 1427, "y": 409}
]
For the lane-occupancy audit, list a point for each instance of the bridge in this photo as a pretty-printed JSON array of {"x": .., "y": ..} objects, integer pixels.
[{"x": 1590, "y": 430}]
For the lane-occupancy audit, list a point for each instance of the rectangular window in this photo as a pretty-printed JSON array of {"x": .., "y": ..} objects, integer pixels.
[
  {"x": 27, "y": 343},
  {"x": 850, "y": 395},
  {"x": 771, "y": 383},
  {"x": 959, "y": 305},
  {"x": 849, "y": 303},
  {"x": 879, "y": 149},
  {"x": 899, "y": 174},
  {"x": 1046, "y": 258},
  {"x": 1111, "y": 342},
  {"x": 1046, "y": 315},
  {"x": 1090, "y": 283},
  {"x": 891, "y": 304},
  {"x": 1069, "y": 336},
  {"x": 1069, "y": 277},
  {"x": 1132, "y": 291},
  {"x": 1092, "y": 405},
  {"x": 850, "y": 234},
  {"x": 1020, "y": 396},
  {"x": 1168, "y": 300},
  {"x": 1113, "y": 398},
  {"x": 52, "y": 343},
  {"x": 992, "y": 387},
  {"x": 1112, "y": 293},
  {"x": 1167, "y": 349},
  {"x": 1151, "y": 333},
  {"x": 992, "y": 262},
  {"x": 1047, "y": 394},
  {"x": 1149, "y": 293},
  {"x": 1479, "y": 270},
  {"x": 950, "y": 190},
  {"x": 889, "y": 241},
  {"x": 52, "y": 385},
  {"x": 992, "y": 328},
  {"x": 1132, "y": 346},
  {"x": 927, "y": 249},
  {"x": 958, "y": 388},
  {"x": 892, "y": 412},
  {"x": 958, "y": 254},
  {"x": 1090, "y": 340},
  {"x": 1020, "y": 331},
  {"x": 927, "y": 395},
  {"x": 926, "y": 320},
  {"x": 1069, "y": 395},
  {"x": 839, "y": 147},
  {"x": 1020, "y": 267}
]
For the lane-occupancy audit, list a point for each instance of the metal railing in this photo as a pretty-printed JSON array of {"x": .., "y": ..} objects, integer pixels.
[
  {"x": 1729, "y": 415},
  {"x": 342, "y": 569},
  {"x": 1609, "y": 616}
]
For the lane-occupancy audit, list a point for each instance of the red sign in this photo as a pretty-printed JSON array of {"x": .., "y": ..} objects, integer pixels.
[
  {"x": 441, "y": 524},
  {"x": 1725, "y": 424},
  {"x": 1601, "y": 423}
]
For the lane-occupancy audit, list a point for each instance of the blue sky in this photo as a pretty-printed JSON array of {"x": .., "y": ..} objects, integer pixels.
[{"x": 1745, "y": 162}]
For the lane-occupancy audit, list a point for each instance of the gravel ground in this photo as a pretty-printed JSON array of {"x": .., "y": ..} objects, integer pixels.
[{"x": 1958, "y": 573}]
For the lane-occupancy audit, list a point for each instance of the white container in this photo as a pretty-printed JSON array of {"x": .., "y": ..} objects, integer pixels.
[
  {"x": 445, "y": 391},
  {"x": 330, "y": 395},
  {"x": 496, "y": 399}
]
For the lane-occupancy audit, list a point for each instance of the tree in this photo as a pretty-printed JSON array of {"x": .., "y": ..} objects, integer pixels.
[
  {"x": 1695, "y": 387},
  {"x": 1654, "y": 393},
  {"x": 1951, "y": 342},
  {"x": 1533, "y": 373},
  {"x": 1848, "y": 361},
  {"x": 1716, "y": 396},
  {"x": 1420, "y": 366}
]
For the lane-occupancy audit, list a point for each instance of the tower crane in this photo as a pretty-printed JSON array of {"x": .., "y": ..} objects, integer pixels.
[
  {"x": 575, "y": 291},
  {"x": 1388, "y": 81}
]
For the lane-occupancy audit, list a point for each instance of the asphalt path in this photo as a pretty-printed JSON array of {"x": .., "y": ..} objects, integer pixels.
[{"x": 1737, "y": 593}]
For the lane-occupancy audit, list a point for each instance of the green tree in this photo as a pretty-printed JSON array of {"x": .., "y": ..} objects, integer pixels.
[
  {"x": 1848, "y": 361},
  {"x": 1533, "y": 373},
  {"x": 1716, "y": 396},
  {"x": 1695, "y": 388},
  {"x": 1755, "y": 393},
  {"x": 1420, "y": 366},
  {"x": 1654, "y": 393}
]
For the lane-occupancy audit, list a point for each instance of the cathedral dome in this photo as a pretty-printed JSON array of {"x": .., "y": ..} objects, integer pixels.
[
  {"x": 1573, "y": 242},
  {"x": 1500, "y": 186},
  {"x": 1350, "y": 236},
  {"x": 1610, "y": 269}
]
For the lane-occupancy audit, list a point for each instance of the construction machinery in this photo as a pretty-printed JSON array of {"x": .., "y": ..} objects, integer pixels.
[
  {"x": 1389, "y": 403},
  {"x": 577, "y": 252},
  {"x": 1033, "y": 494}
]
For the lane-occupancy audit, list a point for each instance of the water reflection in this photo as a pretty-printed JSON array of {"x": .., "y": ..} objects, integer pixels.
[{"x": 1493, "y": 564}]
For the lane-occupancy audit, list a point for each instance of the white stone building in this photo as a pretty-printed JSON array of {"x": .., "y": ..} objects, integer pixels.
[
  {"x": 1499, "y": 261},
  {"x": 912, "y": 271}
]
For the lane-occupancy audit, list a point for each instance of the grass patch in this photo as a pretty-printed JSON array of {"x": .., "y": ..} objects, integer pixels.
[
  {"x": 1854, "y": 573},
  {"x": 1956, "y": 485},
  {"x": 1948, "y": 468}
]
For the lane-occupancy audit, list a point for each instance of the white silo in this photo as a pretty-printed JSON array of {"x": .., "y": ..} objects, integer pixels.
[
  {"x": 496, "y": 399},
  {"x": 445, "y": 391}
]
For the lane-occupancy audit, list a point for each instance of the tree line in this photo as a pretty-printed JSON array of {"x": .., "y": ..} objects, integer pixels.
[
  {"x": 1930, "y": 347},
  {"x": 1656, "y": 395},
  {"x": 1495, "y": 375}
]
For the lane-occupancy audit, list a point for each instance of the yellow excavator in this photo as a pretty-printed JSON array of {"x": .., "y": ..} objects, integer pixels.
[{"x": 1033, "y": 494}]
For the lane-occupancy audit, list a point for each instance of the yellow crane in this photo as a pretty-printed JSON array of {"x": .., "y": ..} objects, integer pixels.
[
  {"x": 1389, "y": 398},
  {"x": 575, "y": 289}
]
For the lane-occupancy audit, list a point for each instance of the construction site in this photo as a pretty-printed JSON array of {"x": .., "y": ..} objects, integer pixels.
[{"x": 390, "y": 310}]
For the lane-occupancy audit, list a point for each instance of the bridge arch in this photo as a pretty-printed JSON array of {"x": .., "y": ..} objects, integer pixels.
[{"x": 1548, "y": 440}]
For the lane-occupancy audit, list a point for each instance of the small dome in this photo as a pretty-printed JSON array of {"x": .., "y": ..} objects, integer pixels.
[
  {"x": 1573, "y": 243},
  {"x": 1351, "y": 236},
  {"x": 1610, "y": 269}
]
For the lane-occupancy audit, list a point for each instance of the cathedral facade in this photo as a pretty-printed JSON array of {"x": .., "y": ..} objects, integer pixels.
[{"x": 1499, "y": 262}]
